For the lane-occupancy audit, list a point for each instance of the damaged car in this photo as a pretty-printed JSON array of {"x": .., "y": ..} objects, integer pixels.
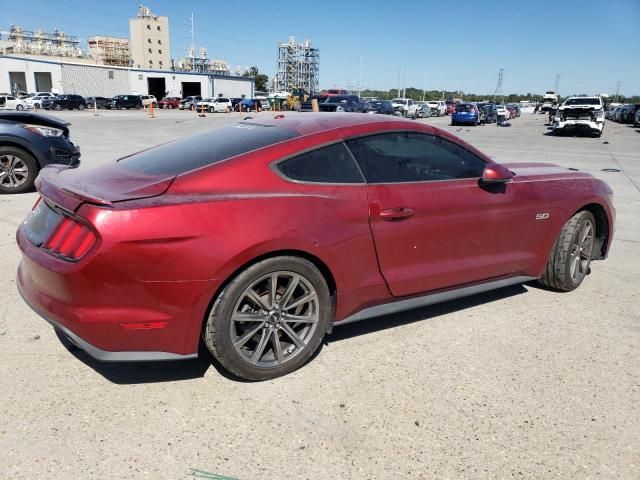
[{"x": 580, "y": 115}]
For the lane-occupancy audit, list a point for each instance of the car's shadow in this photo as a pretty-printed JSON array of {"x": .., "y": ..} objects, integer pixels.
[{"x": 132, "y": 373}]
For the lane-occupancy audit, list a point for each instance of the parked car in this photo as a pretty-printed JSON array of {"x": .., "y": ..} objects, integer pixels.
[
  {"x": 169, "y": 102},
  {"x": 438, "y": 108},
  {"x": 124, "y": 101},
  {"x": 28, "y": 142},
  {"x": 264, "y": 103},
  {"x": 629, "y": 114},
  {"x": 636, "y": 119},
  {"x": 342, "y": 103},
  {"x": 502, "y": 113},
  {"x": 149, "y": 100},
  {"x": 190, "y": 102},
  {"x": 515, "y": 108},
  {"x": 615, "y": 115},
  {"x": 221, "y": 105},
  {"x": 203, "y": 105},
  {"x": 489, "y": 111},
  {"x": 9, "y": 102},
  {"x": 36, "y": 100},
  {"x": 100, "y": 101},
  {"x": 382, "y": 107},
  {"x": 405, "y": 107},
  {"x": 234, "y": 103},
  {"x": 330, "y": 235},
  {"x": 580, "y": 114},
  {"x": 465, "y": 114},
  {"x": 451, "y": 106},
  {"x": 66, "y": 102},
  {"x": 512, "y": 111},
  {"x": 424, "y": 110}
]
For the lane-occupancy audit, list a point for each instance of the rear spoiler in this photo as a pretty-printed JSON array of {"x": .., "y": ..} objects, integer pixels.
[{"x": 49, "y": 185}]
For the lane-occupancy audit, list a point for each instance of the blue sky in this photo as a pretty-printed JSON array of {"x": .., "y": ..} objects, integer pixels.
[{"x": 454, "y": 45}]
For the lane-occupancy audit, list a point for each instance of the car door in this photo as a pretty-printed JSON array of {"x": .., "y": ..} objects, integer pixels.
[{"x": 433, "y": 224}]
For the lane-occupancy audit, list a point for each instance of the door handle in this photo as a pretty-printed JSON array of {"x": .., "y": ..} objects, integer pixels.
[{"x": 398, "y": 213}]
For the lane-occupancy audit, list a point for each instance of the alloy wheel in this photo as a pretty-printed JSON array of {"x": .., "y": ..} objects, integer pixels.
[
  {"x": 274, "y": 319},
  {"x": 580, "y": 255},
  {"x": 13, "y": 171}
]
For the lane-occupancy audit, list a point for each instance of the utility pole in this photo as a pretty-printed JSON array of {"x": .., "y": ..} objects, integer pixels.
[
  {"x": 618, "y": 91},
  {"x": 557, "y": 84},
  {"x": 193, "y": 46},
  {"x": 360, "y": 80},
  {"x": 424, "y": 86},
  {"x": 498, "y": 92}
]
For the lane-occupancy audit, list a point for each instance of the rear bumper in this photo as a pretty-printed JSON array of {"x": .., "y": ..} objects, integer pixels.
[{"x": 109, "y": 314}]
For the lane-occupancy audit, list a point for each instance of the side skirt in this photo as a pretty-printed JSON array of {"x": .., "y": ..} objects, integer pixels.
[{"x": 430, "y": 299}]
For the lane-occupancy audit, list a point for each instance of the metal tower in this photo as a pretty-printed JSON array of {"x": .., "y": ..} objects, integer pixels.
[
  {"x": 498, "y": 92},
  {"x": 298, "y": 66}
]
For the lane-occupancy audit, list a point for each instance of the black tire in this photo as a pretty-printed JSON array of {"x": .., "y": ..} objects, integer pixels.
[
  {"x": 211, "y": 110},
  {"x": 19, "y": 108},
  {"x": 453, "y": 124},
  {"x": 57, "y": 107},
  {"x": 27, "y": 162},
  {"x": 219, "y": 327},
  {"x": 558, "y": 274},
  {"x": 80, "y": 107}
]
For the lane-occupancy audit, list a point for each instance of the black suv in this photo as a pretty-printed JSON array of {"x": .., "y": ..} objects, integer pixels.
[
  {"x": 124, "y": 101},
  {"x": 70, "y": 102},
  {"x": 29, "y": 142}
]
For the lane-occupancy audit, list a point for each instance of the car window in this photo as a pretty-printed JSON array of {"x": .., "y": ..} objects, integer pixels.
[
  {"x": 332, "y": 164},
  {"x": 411, "y": 157}
]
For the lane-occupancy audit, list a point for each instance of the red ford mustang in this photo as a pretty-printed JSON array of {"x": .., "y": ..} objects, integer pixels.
[{"x": 257, "y": 237}]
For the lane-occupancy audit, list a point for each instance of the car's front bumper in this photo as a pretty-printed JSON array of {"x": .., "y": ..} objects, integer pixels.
[{"x": 578, "y": 125}]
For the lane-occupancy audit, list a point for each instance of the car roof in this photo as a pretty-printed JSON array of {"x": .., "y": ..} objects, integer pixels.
[{"x": 310, "y": 122}]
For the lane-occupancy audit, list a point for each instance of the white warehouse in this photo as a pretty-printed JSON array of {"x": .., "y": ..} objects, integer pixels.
[{"x": 23, "y": 74}]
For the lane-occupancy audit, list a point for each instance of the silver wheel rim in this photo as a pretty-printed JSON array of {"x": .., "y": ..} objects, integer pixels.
[
  {"x": 274, "y": 319},
  {"x": 580, "y": 256},
  {"x": 13, "y": 171}
]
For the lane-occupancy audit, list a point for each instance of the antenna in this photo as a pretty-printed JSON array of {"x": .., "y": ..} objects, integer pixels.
[{"x": 498, "y": 92}]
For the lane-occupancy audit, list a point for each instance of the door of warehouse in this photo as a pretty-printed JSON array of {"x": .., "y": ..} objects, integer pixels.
[
  {"x": 43, "y": 81},
  {"x": 191, "y": 88},
  {"x": 18, "y": 82},
  {"x": 157, "y": 87}
]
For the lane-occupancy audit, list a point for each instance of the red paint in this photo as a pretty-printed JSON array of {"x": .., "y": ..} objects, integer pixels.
[{"x": 164, "y": 246}]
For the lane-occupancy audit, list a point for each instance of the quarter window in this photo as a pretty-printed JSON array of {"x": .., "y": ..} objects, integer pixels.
[
  {"x": 331, "y": 164},
  {"x": 410, "y": 157}
]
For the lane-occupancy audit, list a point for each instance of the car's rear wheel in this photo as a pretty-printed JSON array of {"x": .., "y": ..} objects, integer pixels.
[
  {"x": 19, "y": 108},
  {"x": 80, "y": 107},
  {"x": 18, "y": 170},
  {"x": 57, "y": 107},
  {"x": 270, "y": 319},
  {"x": 569, "y": 262}
]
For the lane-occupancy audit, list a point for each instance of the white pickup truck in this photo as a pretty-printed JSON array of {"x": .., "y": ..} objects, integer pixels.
[
  {"x": 438, "y": 108},
  {"x": 584, "y": 114},
  {"x": 405, "y": 107}
]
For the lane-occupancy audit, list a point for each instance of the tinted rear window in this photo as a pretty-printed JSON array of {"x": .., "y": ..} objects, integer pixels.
[{"x": 206, "y": 148}]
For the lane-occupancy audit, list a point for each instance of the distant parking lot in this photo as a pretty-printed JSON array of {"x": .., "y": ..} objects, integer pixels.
[{"x": 520, "y": 382}]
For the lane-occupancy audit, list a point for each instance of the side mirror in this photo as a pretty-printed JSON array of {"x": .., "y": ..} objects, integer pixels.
[{"x": 495, "y": 173}]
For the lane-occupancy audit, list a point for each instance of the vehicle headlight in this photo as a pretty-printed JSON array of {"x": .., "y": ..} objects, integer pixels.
[{"x": 44, "y": 131}]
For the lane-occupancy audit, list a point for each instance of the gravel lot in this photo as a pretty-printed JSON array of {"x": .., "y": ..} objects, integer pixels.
[{"x": 520, "y": 382}]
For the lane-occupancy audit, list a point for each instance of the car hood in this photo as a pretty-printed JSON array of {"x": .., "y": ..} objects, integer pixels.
[{"x": 36, "y": 119}]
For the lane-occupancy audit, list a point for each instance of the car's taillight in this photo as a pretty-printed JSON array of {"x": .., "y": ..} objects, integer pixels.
[{"x": 71, "y": 239}]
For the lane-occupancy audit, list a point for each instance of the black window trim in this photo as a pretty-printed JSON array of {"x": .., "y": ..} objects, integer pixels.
[
  {"x": 275, "y": 169},
  {"x": 475, "y": 179}
]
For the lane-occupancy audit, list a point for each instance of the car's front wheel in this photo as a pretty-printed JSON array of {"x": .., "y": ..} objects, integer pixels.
[
  {"x": 570, "y": 258},
  {"x": 19, "y": 108},
  {"x": 80, "y": 107},
  {"x": 18, "y": 170},
  {"x": 57, "y": 107},
  {"x": 270, "y": 319}
]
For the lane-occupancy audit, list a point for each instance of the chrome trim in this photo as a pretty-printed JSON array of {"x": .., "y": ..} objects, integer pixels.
[
  {"x": 430, "y": 299},
  {"x": 105, "y": 355}
]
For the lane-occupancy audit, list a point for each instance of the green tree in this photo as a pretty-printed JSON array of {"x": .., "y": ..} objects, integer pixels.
[{"x": 260, "y": 79}]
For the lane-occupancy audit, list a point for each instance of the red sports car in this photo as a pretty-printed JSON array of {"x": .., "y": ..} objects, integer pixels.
[{"x": 258, "y": 237}]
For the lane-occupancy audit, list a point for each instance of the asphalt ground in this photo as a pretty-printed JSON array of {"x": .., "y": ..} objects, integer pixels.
[{"x": 516, "y": 383}]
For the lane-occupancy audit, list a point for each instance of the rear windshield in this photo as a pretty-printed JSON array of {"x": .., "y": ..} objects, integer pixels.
[
  {"x": 465, "y": 107},
  {"x": 206, "y": 148}
]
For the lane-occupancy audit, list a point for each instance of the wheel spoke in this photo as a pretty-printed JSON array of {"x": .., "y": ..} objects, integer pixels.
[
  {"x": 245, "y": 338},
  {"x": 575, "y": 260},
  {"x": 586, "y": 231},
  {"x": 306, "y": 298},
  {"x": 251, "y": 293},
  {"x": 248, "y": 317},
  {"x": 286, "y": 296},
  {"x": 293, "y": 335},
  {"x": 277, "y": 347},
  {"x": 273, "y": 287},
  {"x": 13, "y": 161},
  {"x": 300, "y": 318},
  {"x": 257, "y": 354}
]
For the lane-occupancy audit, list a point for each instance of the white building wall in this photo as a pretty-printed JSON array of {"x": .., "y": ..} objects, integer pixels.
[
  {"x": 29, "y": 68},
  {"x": 92, "y": 81},
  {"x": 228, "y": 87}
]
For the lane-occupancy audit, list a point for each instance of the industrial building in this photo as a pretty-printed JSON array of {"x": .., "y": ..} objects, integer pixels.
[
  {"x": 112, "y": 51},
  {"x": 149, "y": 40},
  {"x": 298, "y": 67},
  {"x": 24, "y": 74},
  {"x": 38, "y": 42}
]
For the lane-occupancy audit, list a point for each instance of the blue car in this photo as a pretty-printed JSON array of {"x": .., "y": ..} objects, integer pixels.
[{"x": 465, "y": 114}]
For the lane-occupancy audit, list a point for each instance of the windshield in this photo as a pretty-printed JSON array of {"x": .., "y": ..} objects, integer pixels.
[
  {"x": 399, "y": 100},
  {"x": 583, "y": 101}
]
